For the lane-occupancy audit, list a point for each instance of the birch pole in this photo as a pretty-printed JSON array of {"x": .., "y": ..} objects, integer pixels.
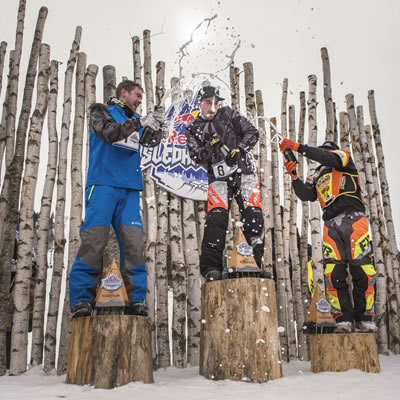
[
  {"x": 305, "y": 207},
  {"x": 329, "y": 106},
  {"x": 9, "y": 114},
  {"x": 387, "y": 208},
  {"x": 9, "y": 121},
  {"x": 179, "y": 272},
  {"x": 90, "y": 98},
  {"x": 279, "y": 263},
  {"x": 75, "y": 216},
  {"x": 391, "y": 285},
  {"x": 3, "y": 133},
  {"x": 162, "y": 331},
  {"x": 355, "y": 138},
  {"x": 179, "y": 280},
  {"x": 15, "y": 59},
  {"x": 192, "y": 259},
  {"x": 12, "y": 181},
  {"x": 235, "y": 89},
  {"x": 11, "y": 111},
  {"x": 110, "y": 82},
  {"x": 286, "y": 235},
  {"x": 44, "y": 221},
  {"x": 315, "y": 214},
  {"x": 251, "y": 111},
  {"x": 201, "y": 212},
  {"x": 137, "y": 65},
  {"x": 249, "y": 91},
  {"x": 23, "y": 277},
  {"x": 344, "y": 132},
  {"x": 192, "y": 262},
  {"x": 296, "y": 265},
  {"x": 3, "y": 48},
  {"x": 150, "y": 193},
  {"x": 58, "y": 265},
  {"x": 264, "y": 183},
  {"x": 381, "y": 290}
]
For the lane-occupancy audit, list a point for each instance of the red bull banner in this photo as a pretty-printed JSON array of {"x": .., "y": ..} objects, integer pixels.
[{"x": 171, "y": 166}]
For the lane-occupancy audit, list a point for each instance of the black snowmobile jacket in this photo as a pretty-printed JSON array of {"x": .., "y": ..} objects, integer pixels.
[
  {"x": 343, "y": 192},
  {"x": 234, "y": 130}
]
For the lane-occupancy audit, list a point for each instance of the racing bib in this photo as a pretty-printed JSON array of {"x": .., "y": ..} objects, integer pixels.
[
  {"x": 130, "y": 143},
  {"x": 221, "y": 169}
]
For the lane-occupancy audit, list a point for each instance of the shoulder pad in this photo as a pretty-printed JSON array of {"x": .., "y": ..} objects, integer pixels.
[
  {"x": 344, "y": 156},
  {"x": 98, "y": 106}
]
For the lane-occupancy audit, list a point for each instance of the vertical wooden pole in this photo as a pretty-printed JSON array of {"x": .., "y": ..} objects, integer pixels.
[
  {"x": 58, "y": 266},
  {"x": 75, "y": 216},
  {"x": 329, "y": 106},
  {"x": 265, "y": 181},
  {"x": 162, "y": 331},
  {"x": 315, "y": 214}
]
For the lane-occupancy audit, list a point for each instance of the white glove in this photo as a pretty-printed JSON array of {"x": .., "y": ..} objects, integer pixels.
[
  {"x": 150, "y": 121},
  {"x": 159, "y": 115}
]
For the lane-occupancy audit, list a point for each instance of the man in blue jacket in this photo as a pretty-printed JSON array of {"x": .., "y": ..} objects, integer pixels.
[{"x": 112, "y": 198}]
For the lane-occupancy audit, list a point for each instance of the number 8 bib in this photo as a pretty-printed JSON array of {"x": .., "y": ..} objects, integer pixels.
[{"x": 221, "y": 169}]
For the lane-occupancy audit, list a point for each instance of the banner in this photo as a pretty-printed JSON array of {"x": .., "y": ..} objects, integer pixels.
[{"x": 171, "y": 166}]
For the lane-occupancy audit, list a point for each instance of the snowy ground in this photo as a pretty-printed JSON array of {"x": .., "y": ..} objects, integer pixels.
[{"x": 298, "y": 383}]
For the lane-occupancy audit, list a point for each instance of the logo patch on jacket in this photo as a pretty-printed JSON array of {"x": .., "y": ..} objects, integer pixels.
[{"x": 344, "y": 156}]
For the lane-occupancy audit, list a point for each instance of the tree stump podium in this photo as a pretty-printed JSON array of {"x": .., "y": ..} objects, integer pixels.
[
  {"x": 239, "y": 332},
  {"x": 110, "y": 350},
  {"x": 339, "y": 352}
]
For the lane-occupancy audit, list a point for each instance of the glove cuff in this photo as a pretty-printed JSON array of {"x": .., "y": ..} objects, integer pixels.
[{"x": 140, "y": 121}]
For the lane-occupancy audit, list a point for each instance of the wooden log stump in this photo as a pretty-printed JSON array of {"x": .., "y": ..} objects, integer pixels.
[
  {"x": 339, "y": 352},
  {"x": 110, "y": 350},
  {"x": 239, "y": 333}
]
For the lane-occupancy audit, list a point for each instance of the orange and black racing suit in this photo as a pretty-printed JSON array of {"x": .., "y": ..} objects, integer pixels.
[
  {"x": 236, "y": 132},
  {"x": 346, "y": 239}
]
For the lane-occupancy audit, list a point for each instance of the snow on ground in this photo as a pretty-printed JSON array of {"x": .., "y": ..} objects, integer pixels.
[{"x": 298, "y": 383}]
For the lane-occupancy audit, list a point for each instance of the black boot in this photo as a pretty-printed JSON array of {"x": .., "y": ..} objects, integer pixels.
[
  {"x": 213, "y": 275},
  {"x": 81, "y": 309},
  {"x": 137, "y": 309},
  {"x": 265, "y": 274}
]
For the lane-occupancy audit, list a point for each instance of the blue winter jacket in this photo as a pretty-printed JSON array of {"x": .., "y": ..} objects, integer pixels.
[{"x": 111, "y": 165}]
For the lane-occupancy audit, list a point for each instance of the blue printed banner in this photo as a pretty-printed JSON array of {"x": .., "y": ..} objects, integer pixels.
[{"x": 171, "y": 166}]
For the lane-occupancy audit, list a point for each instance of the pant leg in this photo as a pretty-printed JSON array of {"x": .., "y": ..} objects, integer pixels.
[
  {"x": 87, "y": 267},
  {"x": 248, "y": 197},
  {"x": 362, "y": 269},
  {"x": 127, "y": 223},
  {"x": 215, "y": 227},
  {"x": 336, "y": 271}
]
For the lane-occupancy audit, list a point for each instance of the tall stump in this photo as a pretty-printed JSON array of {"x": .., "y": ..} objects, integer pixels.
[
  {"x": 239, "y": 333},
  {"x": 339, "y": 352},
  {"x": 110, "y": 350}
]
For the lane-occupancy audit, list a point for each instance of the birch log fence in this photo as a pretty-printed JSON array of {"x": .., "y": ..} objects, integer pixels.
[{"x": 173, "y": 225}]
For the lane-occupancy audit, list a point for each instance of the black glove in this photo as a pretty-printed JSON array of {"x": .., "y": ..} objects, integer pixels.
[
  {"x": 233, "y": 157},
  {"x": 215, "y": 140}
]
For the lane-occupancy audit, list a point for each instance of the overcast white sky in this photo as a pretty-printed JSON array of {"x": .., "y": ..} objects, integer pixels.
[{"x": 282, "y": 38}]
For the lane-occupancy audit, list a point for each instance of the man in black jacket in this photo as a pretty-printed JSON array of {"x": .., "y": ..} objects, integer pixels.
[
  {"x": 336, "y": 184},
  {"x": 220, "y": 139}
]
